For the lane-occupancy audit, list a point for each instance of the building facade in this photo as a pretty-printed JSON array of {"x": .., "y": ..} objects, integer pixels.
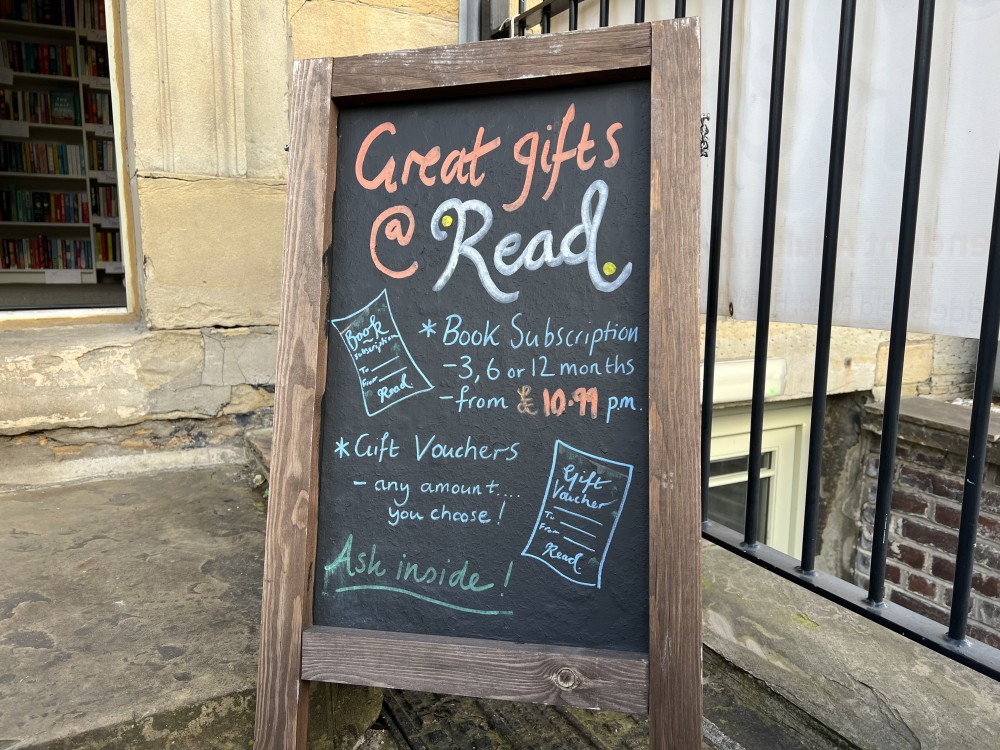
[{"x": 201, "y": 95}]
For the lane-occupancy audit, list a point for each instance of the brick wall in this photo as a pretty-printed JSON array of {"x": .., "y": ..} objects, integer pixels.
[{"x": 926, "y": 508}]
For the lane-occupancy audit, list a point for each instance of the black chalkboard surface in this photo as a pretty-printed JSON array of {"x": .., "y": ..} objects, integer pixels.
[{"x": 484, "y": 455}]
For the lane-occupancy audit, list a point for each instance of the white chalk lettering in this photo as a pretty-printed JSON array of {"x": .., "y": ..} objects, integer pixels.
[{"x": 537, "y": 253}]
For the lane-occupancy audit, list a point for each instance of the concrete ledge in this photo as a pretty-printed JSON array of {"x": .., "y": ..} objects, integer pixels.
[
  {"x": 869, "y": 687},
  {"x": 125, "y": 599},
  {"x": 936, "y": 424},
  {"x": 224, "y": 722},
  {"x": 76, "y": 455}
]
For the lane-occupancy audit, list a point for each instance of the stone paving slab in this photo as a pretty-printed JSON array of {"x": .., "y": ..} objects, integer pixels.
[
  {"x": 129, "y": 603},
  {"x": 425, "y": 721},
  {"x": 433, "y": 722}
]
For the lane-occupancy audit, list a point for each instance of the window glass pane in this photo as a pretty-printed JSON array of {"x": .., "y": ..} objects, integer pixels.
[
  {"x": 60, "y": 226},
  {"x": 107, "y": 291},
  {"x": 737, "y": 465},
  {"x": 727, "y": 503}
]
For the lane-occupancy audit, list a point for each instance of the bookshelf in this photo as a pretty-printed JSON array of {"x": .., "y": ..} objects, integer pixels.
[{"x": 59, "y": 218}]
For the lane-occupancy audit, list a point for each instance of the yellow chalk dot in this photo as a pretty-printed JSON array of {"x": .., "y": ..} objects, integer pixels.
[
  {"x": 610, "y": 268},
  {"x": 446, "y": 221}
]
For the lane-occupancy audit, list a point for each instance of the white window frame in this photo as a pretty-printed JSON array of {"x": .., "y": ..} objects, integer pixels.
[{"x": 785, "y": 436}]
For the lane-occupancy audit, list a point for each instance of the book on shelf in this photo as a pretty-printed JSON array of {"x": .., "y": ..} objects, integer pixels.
[
  {"x": 102, "y": 155},
  {"x": 36, "y": 106},
  {"x": 92, "y": 15},
  {"x": 95, "y": 60},
  {"x": 34, "y": 57},
  {"x": 79, "y": 154},
  {"x": 43, "y": 207},
  {"x": 104, "y": 201},
  {"x": 41, "y": 158},
  {"x": 64, "y": 108},
  {"x": 108, "y": 245},
  {"x": 27, "y": 206},
  {"x": 43, "y": 253},
  {"x": 55, "y": 12},
  {"x": 97, "y": 106},
  {"x": 48, "y": 12}
]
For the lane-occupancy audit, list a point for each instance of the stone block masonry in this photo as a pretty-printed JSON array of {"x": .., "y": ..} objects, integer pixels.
[
  {"x": 78, "y": 403},
  {"x": 926, "y": 511},
  {"x": 112, "y": 376}
]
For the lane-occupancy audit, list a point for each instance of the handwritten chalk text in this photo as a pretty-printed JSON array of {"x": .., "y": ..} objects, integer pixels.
[{"x": 537, "y": 253}]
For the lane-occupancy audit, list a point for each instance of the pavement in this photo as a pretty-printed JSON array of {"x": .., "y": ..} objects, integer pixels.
[{"x": 129, "y": 612}]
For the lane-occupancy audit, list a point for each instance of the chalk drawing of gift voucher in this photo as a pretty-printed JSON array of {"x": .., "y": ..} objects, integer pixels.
[
  {"x": 386, "y": 371},
  {"x": 582, "y": 506}
]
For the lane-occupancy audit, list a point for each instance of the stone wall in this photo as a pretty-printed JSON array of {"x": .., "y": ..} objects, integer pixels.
[
  {"x": 205, "y": 112},
  {"x": 941, "y": 366},
  {"x": 206, "y": 90},
  {"x": 839, "y": 496},
  {"x": 926, "y": 508},
  {"x": 208, "y": 87},
  {"x": 105, "y": 376},
  {"x": 334, "y": 28}
]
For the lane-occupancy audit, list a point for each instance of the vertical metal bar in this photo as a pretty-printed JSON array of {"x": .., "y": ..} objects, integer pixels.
[
  {"x": 680, "y": 8},
  {"x": 979, "y": 428},
  {"x": 901, "y": 299},
  {"x": 604, "y": 13},
  {"x": 493, "y": 17},
  {"x": 640, "y": 11},
  {"x": 546, "y": 19},
  {"x": 470, "y": 16},
  {"x": 574, "y": 11},
  {"x": 828, "y": 274},
  {"x": 766, "y": 269},
  {"x": 521, "y": 6},
  {"x": 715, "y": 248}
]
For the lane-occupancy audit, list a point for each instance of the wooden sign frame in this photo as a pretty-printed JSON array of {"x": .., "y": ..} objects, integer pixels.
[{"x": 667, "y": 684}]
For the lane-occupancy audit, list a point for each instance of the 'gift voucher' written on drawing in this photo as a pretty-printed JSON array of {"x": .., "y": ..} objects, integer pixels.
[{"x": 484, "y": 432}]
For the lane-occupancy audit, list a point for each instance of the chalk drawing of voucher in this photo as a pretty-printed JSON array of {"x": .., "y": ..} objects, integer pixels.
[
  {"x": 581, "y": 508},
  {"x": 386, "y": 371}
]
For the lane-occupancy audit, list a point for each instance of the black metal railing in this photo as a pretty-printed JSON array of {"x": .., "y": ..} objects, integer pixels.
[
  {"x": 828, "y": 272},
  {"x": 870, "y": 603}
]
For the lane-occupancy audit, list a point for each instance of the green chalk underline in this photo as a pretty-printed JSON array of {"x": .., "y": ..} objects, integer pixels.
[{"x": 415, "y": 595}]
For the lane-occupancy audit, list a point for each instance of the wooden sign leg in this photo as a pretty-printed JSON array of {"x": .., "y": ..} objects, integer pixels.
[
  {"x": 282, "y": 696},
  {"x": 675, "y": 692}
]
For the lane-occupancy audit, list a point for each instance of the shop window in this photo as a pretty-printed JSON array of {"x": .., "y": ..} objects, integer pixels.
[{"x": 61, "y": 217}]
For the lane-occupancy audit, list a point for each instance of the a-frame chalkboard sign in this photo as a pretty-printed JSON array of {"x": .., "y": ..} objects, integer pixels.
[{"x": 485, "y": 474}]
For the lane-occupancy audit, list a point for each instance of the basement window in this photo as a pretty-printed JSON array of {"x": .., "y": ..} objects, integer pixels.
[{"x": 782, "y": 475}]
